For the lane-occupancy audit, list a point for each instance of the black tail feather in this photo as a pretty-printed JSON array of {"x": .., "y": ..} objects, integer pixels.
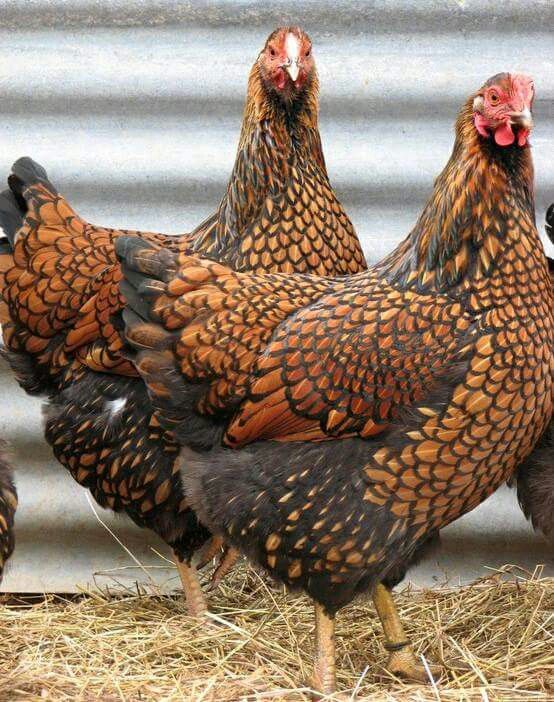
[
  {"x": 11, "y": 216},
  {"x": 13, "y": 206},
  {"x": 26, "y": 172},
  {"x": 5, "y": 246}
]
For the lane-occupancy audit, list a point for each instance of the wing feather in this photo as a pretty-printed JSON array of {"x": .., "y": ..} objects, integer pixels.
[{"x": 290, "y": 357}]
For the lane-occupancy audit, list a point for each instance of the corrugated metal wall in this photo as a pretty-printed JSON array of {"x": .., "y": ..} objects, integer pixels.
[{"x": 134, "y": 107}]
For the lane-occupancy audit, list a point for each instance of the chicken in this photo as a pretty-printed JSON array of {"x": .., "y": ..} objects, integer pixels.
[
  {"x": 535, "y": 477},
  {"x": 329, "y": 427},
  {"x": 8, "y": 505},
  {"x": 279, "y": 213},
  {"x": 8, "y": 494}
]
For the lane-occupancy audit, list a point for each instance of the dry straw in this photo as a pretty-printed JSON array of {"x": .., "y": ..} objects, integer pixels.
[{"x": 495, "y": 639}]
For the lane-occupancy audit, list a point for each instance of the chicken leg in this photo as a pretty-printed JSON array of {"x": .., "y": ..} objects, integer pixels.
[
  {"x": 324, "y": 675},
  {"x": 402, "y": 661},
  {"x": 196, "y": 602}
]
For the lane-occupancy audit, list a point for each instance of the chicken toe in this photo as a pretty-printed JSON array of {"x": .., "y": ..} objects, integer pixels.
[{"x": 402, "y": 660}]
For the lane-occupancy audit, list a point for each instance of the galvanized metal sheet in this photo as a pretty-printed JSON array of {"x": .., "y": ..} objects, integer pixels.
[{"x": 134, "y": 108}]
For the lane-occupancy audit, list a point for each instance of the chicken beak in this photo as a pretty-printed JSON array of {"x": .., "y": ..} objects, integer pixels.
[
  {"x": 292, "y": 50},
  {"x": 293, "y": 70},
  {"x": 523, "y": 119}
]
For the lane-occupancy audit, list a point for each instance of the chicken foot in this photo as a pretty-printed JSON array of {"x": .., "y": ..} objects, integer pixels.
[
  {"x": 402, "y": 661},
  {"x": 196, "y": 602}
]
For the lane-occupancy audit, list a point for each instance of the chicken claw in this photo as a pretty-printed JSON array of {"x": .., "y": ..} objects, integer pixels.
[
  {"x": 226, "y": 562},
  {"x": 402, "y": 660},
  {"x": 210, "y": 551}
]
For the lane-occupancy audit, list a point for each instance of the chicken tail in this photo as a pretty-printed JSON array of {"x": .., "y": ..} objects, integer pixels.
[
  {"x": 32, "y": 197},
  {"x": 11, "y": 221},
  {"x": 26, "y": 172},
  {"x": 14, "y": 202}
]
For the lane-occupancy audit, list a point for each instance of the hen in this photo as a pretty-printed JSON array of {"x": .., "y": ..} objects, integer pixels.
[
  {"x": 8, "y": 505},
  {"x": 279, "y": 213},
  {"x": 330, "y": 427},
  {"x": 8, "y": 494},
  {"x": 535, "y": 477}
]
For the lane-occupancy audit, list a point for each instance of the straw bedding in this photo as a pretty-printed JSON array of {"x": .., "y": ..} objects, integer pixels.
[{"x": 494, "y": 637}]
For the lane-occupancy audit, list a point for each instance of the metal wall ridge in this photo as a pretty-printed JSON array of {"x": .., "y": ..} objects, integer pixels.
[{"x": 423, "y": 16}]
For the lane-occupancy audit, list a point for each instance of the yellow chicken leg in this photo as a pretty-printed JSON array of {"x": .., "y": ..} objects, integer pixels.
[
  {"x": 324, "y": 675},
  {"x": 196, "y": 602},
  {"x": 402, "y": 661}
]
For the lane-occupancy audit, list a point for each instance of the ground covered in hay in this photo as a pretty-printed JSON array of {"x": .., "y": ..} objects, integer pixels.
[{"x": 495, "y": 639}]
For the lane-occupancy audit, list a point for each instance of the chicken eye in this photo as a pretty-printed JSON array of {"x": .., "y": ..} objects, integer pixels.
[
  {"x": 272, "y": 52},
  {"x": 308, "y": 52},
  {"x": 494, "y": 98}
]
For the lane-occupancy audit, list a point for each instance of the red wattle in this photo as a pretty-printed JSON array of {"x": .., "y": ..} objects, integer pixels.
[
  {"x": 504, "y": 135},
  {"x": 522, "y": 137}
]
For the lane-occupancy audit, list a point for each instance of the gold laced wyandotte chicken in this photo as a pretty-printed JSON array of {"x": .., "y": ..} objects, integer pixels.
[
  {"x": 331, "y": 426},
  {"x": 8, "y": 505},
  {"x": 61, "y": 291},
  {"x": 8, "y": 494},
  {"x": 535, "y": 477}
]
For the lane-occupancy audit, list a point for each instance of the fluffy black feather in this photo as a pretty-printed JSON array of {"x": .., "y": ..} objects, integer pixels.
[
  {"x": 535, "y": 485},
  {"x": 250, "y": 495}
]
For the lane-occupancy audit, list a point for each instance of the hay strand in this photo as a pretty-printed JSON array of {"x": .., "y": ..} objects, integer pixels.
[{"x": 495, "y": 638}]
